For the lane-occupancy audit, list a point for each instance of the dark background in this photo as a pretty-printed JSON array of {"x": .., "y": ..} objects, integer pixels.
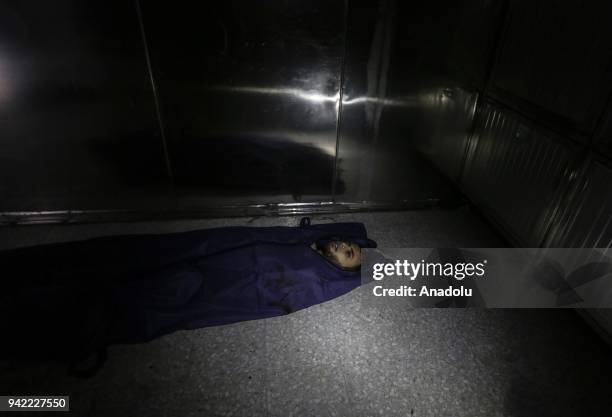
[
  {"x": 138, "y": 110},
  {"x": 114, "y": 110}
]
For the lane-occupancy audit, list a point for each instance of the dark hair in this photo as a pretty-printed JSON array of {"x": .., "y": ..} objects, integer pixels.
[{"x": 325, "y": 249}]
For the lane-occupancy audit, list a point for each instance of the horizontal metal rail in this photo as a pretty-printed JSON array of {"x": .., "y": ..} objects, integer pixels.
[{"x": 252, "y": 210}]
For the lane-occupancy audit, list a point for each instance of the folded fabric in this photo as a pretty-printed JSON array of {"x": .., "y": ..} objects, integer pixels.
[{"x": 68, "y": 300}]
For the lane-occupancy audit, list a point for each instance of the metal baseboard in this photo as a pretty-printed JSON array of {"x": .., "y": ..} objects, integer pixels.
[{"x": 12, "y": 218}]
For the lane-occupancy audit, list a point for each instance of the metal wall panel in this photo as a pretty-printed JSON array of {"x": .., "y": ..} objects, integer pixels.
[
  {"x": 77, "y": 123},
  {"x": 411, "y": 77},
  {"x": 451, "y": 115},
  {"x": 586, "y": 218},
  {"x": 517, "y": 173},
  {"x": 249, "y": 94},
  {"x": 366, "y": 50},
  {"x": 440, "y": 64},
  {"x": 249, "y": 100},
  {"x": 554, "y": 63}
]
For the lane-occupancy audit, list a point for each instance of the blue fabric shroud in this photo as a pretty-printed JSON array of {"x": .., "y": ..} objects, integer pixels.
[{"x": 75, "y": 298}]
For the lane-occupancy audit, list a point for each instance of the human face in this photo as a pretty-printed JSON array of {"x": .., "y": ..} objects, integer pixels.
[{"x": 347, "y": 254}]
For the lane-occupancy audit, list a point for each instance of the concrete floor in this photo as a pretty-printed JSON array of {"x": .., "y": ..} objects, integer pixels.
[{"x": 346, "y": 357}]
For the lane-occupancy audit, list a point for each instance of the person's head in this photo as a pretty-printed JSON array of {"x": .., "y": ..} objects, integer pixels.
[{"x": 344, "y": 254}]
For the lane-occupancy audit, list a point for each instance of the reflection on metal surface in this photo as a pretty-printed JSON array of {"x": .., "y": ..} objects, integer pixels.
[
  {"x": 517, "y": 173},
  {"x": 239, "y": 103},
  {"x": 405, "y": 102},
  {"x": 224, "y": 211},
  {"x": 449, "y": 114},
  {"x": 408, "y": 104},
  {"x": 586, "y": 219},
  {"x": 160, "y": 123},
  {"x": 249, "y": 97},
  {"x": 312, "y": 96}
]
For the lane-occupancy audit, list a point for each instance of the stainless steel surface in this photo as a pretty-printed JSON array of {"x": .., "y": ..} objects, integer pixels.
[
  {"x": 142, "y": 108},
  {"x": 411, "y": 78},
  {"x": 160, "y": 123},
  {"x": 450, "y": 115},
  {"x": 249, "y": 96},
  {"x": 138, "y": 106},
  {"x": 586, "y": 218},
  {"x": 78, "y": 126},
  {"x": 256, "y": 210},
  {"x": 517, "y": 173},
  {"x": 369, "y": 34}
]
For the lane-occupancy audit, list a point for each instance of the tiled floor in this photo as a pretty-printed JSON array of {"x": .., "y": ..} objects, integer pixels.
[{"x": 345, "y": 357}]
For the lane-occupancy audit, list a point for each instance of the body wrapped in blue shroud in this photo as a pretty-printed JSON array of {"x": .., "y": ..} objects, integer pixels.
[{"x": 67, "y": 300}]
